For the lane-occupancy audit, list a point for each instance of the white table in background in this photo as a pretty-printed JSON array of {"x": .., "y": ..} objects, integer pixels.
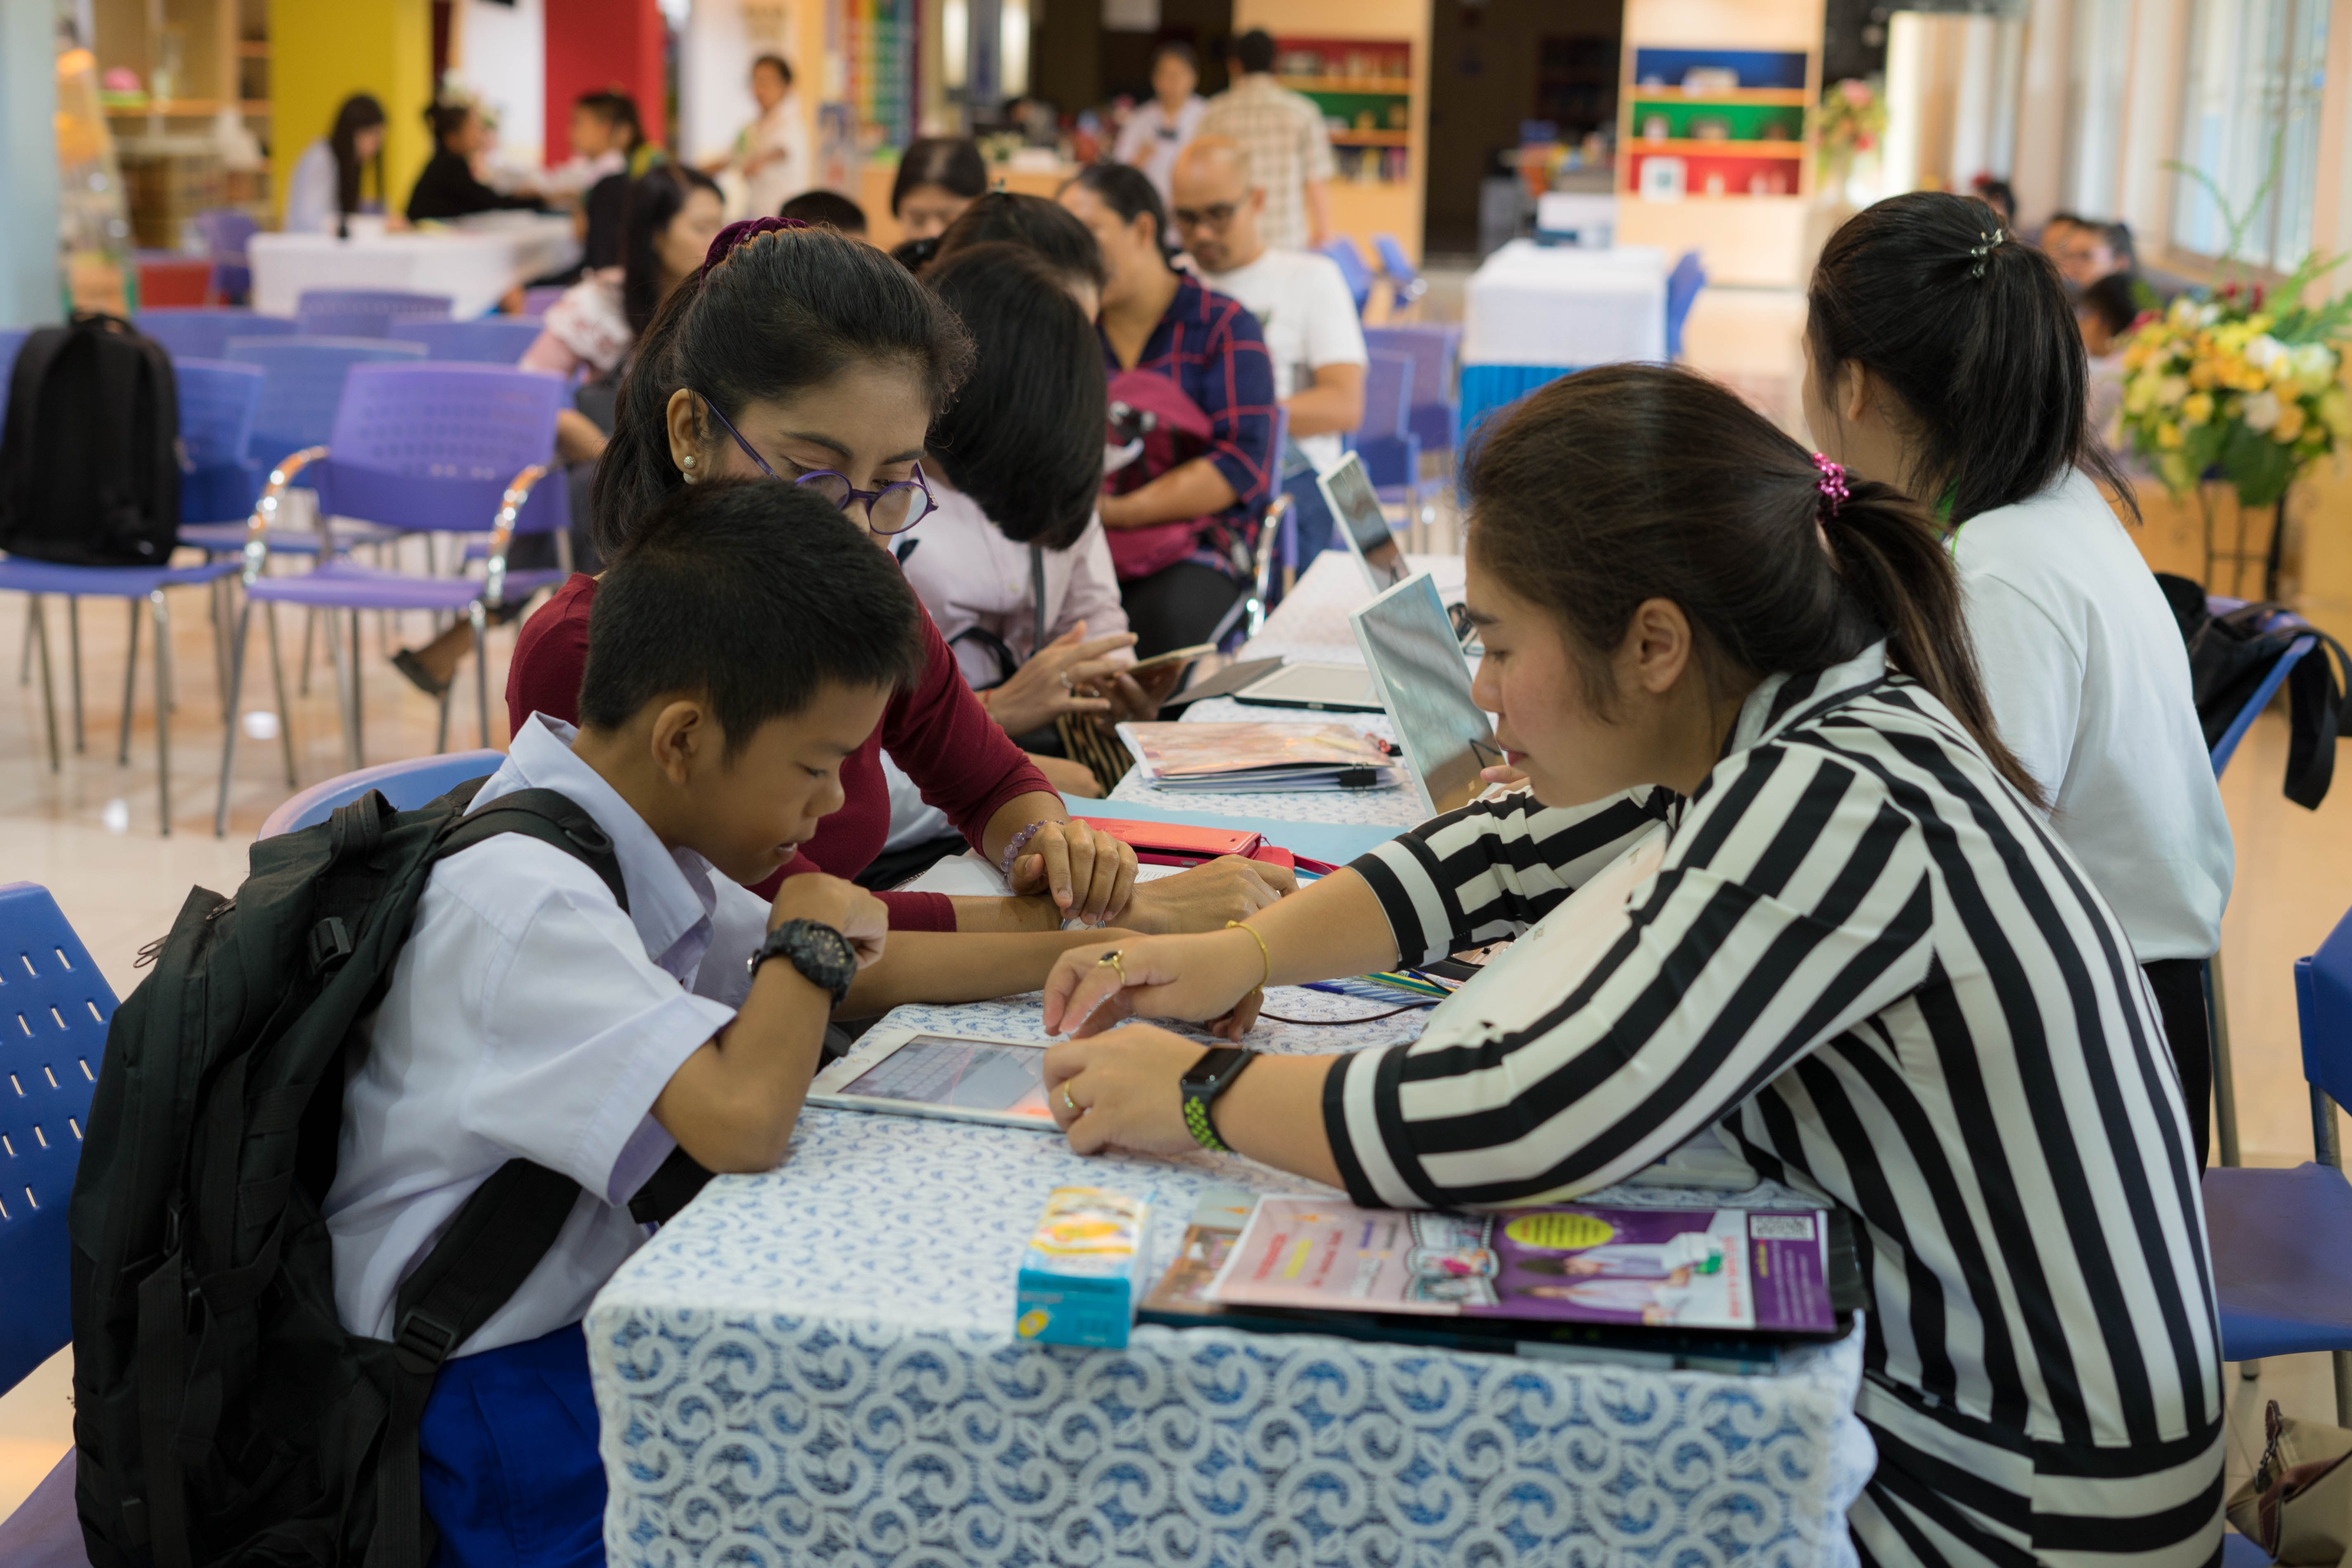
[
  {"x": 1310, "y": 626},
  {"x": 818, "y": 1366},
  {"x": 1562, "y": 305},
  {"x": 474, "y": 264}
]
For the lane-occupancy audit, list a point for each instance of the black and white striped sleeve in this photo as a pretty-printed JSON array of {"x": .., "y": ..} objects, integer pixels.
[
  {"x": 1496, "y": 867},
  {"x": 1793, "y": 901}
]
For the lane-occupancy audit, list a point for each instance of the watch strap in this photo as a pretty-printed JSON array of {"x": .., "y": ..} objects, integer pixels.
[
  {"x": 1203, "y": 1083},
  {"x": 796, "y": 942}
]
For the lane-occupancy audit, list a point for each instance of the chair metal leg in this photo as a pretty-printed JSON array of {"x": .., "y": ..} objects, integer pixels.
[
  {"x": 441, "y": 727},
  {"x": 2343, "y": 1388},
  {"x": 25, "y": 656},
  {"x": 309, "y": 625},
  {"x": 163, "y": 710},
  {"x": 333, "y": 638},
  {"x": 37, "y": 629},
  {"x": 278, "y": 678},
  {"x": 2324, "y": 1142},
  {"x": 229, "y": 731},
  {"x": 2225, "y": 1089},
  {"x": 130, "y": 686},
  {"x": 481, "y": 674},
  {"x": 358, "y": 758},
  {"x": 73, "y": 661}
]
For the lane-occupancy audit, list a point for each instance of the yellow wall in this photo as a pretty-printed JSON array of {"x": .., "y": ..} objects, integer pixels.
[{"x": 322, "y": 51}]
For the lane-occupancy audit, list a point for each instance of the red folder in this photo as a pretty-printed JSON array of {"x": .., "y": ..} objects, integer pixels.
[{"x": 1183, "y": 844}]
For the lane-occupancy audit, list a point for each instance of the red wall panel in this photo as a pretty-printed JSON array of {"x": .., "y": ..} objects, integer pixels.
[{"x": 597, "y": 44}]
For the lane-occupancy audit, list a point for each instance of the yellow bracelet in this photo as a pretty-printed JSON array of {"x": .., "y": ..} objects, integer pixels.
[{"x": 1237, "y": 925}]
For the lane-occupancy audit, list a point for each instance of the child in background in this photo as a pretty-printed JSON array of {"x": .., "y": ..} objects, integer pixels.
[{"x": 596, "y": 150}]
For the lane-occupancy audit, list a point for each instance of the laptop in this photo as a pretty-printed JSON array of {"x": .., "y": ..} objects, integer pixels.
[
  {"x": 1424, "y": 686},
  {"x": 1356, "y": 508}
]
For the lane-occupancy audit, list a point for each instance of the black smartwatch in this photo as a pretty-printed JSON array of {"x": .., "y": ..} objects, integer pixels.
[
  {"x": 822, "y": 954},
  {"x": 1209, "y": 1077}
]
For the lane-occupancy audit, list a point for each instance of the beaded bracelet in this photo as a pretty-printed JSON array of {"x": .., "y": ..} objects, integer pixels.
[{"x": 1012, "y": 851}]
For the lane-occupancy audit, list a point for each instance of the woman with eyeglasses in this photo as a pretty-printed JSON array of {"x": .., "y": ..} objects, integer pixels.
[{"x": 817, "y": 360}]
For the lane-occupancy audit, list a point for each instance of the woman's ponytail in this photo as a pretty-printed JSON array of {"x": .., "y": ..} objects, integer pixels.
[
  {"x": 1889, "y": 555},
  {"x": 1631, "y": 482}
]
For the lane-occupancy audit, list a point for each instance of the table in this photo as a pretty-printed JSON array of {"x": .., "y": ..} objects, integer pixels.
[
  {"x": 1534, "y": 312},
  {"x": 474, "y": 264},
  {"x": 817, "y": 1366},
  {"x": 1310, "y": 624}
]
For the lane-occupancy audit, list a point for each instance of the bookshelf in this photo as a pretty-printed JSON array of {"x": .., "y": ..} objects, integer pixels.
[
  {"x": 1716, "y": 133},
  {"x": 1364, "y": 88}
]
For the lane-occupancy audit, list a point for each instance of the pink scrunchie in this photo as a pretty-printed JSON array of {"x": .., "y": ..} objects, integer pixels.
[
  {"x": 735, "y": 233},
  {"x": 1832, "y": 485}
]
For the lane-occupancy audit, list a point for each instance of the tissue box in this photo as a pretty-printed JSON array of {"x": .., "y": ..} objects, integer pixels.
[{"x": 1083, "y": 1269}]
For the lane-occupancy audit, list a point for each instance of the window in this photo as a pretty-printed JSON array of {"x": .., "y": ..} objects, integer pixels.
[
  {"x": 2251, "y": 114},
  {"x": 2097, "y": 55}
]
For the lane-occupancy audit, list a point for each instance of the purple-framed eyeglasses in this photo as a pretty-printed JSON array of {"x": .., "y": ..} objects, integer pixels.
[{"x": 893, "y": 508}]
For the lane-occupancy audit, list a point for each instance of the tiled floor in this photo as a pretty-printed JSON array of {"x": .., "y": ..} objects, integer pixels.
[{"x": 88, "y": 831}]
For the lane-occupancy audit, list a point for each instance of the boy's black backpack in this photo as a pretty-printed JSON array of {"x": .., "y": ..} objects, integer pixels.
[
  {"x": 221, "y": 1413},
  {"x": 89, "y": 457},
  {"x": 2229, "y": 654}
]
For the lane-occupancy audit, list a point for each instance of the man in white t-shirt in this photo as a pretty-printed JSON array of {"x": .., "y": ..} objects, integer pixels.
[{"x": 1300, "y": 299}]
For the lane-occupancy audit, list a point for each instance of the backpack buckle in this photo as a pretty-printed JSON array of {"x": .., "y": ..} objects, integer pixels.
[
  {"x": 423, "y": 1342},
  {"x": 331, "y": 943}
]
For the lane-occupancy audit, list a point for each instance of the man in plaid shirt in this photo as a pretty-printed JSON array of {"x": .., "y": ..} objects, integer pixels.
[{"x": 1289, "y": 149}]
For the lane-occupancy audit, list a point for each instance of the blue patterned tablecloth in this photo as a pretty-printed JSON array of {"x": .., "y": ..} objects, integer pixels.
[{"x": 817, "y": 1366}]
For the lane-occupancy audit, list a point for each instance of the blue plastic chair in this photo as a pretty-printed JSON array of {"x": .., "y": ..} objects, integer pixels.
[
  {"x": 1274, "y": 557},
  {"x": 202, "y": 331},
  {"x": 2282, "y": 1240},
  {"x": 364, "y": 312},
  {"x": 1683, "y": 285},
  {"x": 226, "y": 232},
  {"x": 406, "y": 784},
  {"x": 219, "y": 401},
  {"x": 54, "y": 1009},
  {"x": 1342, "y": 250},
  {"x": 1406, "y": 285},
  {"x": 451, "y": 448},
  {"x": 487, "y": 340}
]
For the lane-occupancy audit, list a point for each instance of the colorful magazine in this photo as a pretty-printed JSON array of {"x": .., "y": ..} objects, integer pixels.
[
  {"x": 1720, "y": 1269},
  {"x": 1242, "y": 757}
]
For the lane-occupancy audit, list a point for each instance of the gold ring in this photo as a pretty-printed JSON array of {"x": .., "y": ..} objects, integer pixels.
[
  {"x": 1068, "y": 1101},
  {"x": 1113, "y": 959}
]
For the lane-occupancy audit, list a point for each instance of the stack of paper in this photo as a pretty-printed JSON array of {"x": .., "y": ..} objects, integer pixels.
[{"x": 1246, "y": 758}]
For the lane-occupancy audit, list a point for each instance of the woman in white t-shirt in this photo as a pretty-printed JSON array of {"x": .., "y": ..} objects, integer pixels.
[
  {"x": 1943, "y": 358},
  {"x": 771, "y": 153},
  {"x": 1158, "y": 130}
]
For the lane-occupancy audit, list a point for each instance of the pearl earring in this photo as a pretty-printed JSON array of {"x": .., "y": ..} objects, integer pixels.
[{"x": 687, "y": 461}]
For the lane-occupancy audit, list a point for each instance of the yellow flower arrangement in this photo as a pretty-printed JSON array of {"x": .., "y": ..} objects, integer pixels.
[{"x": 2235, "y": 384}]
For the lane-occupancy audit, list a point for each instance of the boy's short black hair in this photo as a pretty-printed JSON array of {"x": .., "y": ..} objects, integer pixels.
[
  {"x": 1254, "y": 51},
  {"x": 828, "y": 207},
  {"x": 754, "y": 593}
]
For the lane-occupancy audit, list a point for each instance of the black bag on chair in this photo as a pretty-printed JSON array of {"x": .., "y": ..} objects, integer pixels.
[
  {"x": 90, "y": 458},
  {"x": 2229, "y": 655}
]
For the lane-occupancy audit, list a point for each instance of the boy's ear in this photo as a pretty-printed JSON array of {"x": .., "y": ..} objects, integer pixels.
[{"x": 683, "y": 734}]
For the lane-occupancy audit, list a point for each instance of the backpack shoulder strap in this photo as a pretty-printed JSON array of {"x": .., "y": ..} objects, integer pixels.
[
  {"x": 550, "y": 817},
  {"x": 490, "y": 1249}
]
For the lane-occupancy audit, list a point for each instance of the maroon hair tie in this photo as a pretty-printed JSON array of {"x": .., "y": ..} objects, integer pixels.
[
  {"x": 735, "y": 233},
  {"x": 1832, "y": 485}
]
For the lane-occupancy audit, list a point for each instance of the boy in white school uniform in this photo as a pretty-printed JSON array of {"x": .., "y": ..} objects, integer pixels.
[
  {"x": 745, "y": 644},
  {"x": 1302, "y": 305}
]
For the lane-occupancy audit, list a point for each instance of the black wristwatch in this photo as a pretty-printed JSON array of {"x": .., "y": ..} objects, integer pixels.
[
  {"x": 1209, "y": 1077},
  {"x": 821, "y": 953}
]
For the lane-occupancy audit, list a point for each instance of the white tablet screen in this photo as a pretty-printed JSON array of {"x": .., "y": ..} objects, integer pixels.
[
  {"x": 1411, "y": 647},
  {"x": 970, "y": 1075},
  {"x": 1316, "y": 686}
]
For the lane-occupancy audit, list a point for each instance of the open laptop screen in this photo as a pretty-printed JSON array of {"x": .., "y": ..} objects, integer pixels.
[{"x": 1355, "y": 506}]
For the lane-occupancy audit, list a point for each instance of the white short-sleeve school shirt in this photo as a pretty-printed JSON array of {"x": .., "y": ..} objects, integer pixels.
[
  {"x": 529, "y": 1016},
  {"x": 2089, "y": 683},
  {"x": 1303, "y": 306}
]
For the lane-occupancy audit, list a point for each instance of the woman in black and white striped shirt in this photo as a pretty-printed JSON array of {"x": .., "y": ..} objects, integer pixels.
[{"x": 1862, "y": 954}]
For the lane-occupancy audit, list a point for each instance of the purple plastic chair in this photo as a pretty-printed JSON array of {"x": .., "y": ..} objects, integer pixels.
[
  {"x": 1406, "y": 285},
  {"x": 55, "y": 1005},
  {"x": 1390, "y": 451},
  {"x": 451, "y": 448},
  {"x": 305, "y": 385},
  {"x": 225, "y": 231},
  {"x": 1434, "y": 347},
  {"x": 537, "y": 302},
  {"x": 202, "y": 331},
  {"x": 1683, "y": 285},
  {"x": 2281, "y": 1270},
  {"x": 1277, "y": 548},
  {"x": 486, "y": 340},
  {"x": 364, "y": 312}
]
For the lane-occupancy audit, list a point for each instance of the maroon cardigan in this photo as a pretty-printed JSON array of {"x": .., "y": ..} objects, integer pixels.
[{"x": 937, "y": 730}]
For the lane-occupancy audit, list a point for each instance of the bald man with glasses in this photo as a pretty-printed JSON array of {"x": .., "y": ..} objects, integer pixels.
[{"x": 1301, "y": 303}]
